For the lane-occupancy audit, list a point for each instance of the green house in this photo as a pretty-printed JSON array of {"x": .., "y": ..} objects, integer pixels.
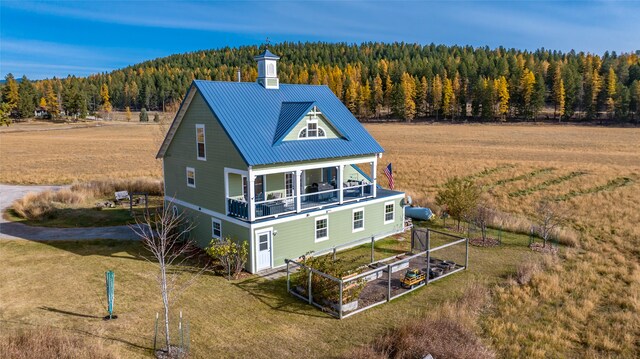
[{"x": 285, "y": 167}]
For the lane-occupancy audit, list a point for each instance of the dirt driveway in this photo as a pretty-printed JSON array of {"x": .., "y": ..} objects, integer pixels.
[{"x": 13, "y": 230}]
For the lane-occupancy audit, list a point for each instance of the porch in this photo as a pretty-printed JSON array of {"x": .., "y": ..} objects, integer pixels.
[{"x": 266, "y": 193}]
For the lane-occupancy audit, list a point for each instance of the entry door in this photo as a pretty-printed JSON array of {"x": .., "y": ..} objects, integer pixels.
[{"x": 263, "y": 245}]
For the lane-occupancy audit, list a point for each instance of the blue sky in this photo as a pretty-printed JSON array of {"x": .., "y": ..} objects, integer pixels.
[{"x": 45, "y": 39}]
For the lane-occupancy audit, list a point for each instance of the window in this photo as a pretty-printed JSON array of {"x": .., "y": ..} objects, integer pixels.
[
  {"x": 258, "y": 188},
  {"x": 389, "y": 212},
  {"x": 191, "y": 177},
  {"x": 202, "y": 155},
  {"x": 288, "y": 184},
  {"x": 358, "y": 220},
  {"x": 322, "y": 228},
  {"x": 216, "y": 228},
  {"x": 312, "y": 129},
  {"x": 245, "y": 186}
]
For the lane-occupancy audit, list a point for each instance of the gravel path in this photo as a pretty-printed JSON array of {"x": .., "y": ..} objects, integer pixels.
[{"x": 13, "y": 230}]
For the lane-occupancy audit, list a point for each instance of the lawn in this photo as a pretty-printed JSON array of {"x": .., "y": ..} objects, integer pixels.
[{"x": 238, "y": 319}]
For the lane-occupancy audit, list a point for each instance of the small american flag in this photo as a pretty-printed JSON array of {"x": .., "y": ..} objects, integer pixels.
[{"x": 389, "y": 173}]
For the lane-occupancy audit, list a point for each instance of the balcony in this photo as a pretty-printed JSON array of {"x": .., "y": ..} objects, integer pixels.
[{"x": 307, "y": 190}]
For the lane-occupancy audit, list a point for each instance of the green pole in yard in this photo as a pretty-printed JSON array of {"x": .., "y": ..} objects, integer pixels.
[{"x": 110, "y": 276}]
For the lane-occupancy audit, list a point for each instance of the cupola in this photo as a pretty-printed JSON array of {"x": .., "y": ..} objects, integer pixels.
[{"x": 268, "y": 70}]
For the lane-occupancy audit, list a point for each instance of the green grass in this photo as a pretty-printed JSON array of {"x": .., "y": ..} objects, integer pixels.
[
  {"x": 61, "y": 284},
  {"x": 609, "y": 186},
  {"x": 86, "y": 216}
]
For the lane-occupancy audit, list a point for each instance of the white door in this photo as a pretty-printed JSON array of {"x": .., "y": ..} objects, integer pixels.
[{"x": 263, "y": 245}]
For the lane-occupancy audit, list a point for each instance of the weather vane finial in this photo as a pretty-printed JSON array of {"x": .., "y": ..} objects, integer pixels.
[{"x": 267, "y": 41}]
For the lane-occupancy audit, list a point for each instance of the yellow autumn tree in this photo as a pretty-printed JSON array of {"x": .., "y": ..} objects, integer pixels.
[
  {"x": 558, "y": 93},
  {"x": 447, "y": 97},
  {"x": 104, "y": 95},
  {"x": 409, "y": 90},
  {"x": 527, "y": 85},
  {"x": 436, "y": 94},
  {"x": 502, "y": 90},
  {"x": 53, "y": 105},
  {"x": 611, "y": 91}
]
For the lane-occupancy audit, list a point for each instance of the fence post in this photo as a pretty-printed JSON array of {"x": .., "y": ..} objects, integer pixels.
[
  {"x": 428, "y": 265},
  {"x": 288, "y": 277},
  {"x": 181, "y": 333},
  {"x": 466, "y": 259},
  {"x": 340, "y": 303},
  {"x": 428, "y": 239},
  {"x": 373, "y": 247},
  {"x": 389, "y": 283},
  {"x": 155, "y": 334},
  {"x": 334, "y": 253},
  {"x": 309, "y": 289}
]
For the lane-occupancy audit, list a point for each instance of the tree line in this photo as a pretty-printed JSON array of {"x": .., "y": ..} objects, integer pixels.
[{"x": 374, "y": 80}]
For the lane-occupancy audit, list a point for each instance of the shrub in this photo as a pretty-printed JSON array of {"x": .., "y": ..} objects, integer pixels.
[
  {"x": 107, "y": 188},
  {"x": 526, "y": 271},
  {"x": 156, "y": 117},
  {"x": 36, "y": 206},
  {"x": 48, "y": 343},
  {"x": 232, "y": 255},
  {"x": 144, "y": 116}
]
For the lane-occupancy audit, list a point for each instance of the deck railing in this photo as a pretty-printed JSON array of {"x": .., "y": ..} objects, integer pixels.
[{"x": 238, "y": 208}]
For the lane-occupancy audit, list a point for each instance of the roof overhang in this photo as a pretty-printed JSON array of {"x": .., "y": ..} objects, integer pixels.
[{"x": 177, "y": 120}]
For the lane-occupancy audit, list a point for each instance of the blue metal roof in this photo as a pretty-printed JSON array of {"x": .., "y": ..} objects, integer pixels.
[
  {"x": 251, "y": 116},
  {"x": 290, "y": 114},
  {"x": 266, "y": 54}
]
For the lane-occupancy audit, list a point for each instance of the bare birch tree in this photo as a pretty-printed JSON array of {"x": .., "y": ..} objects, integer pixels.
[
  {"x": 481, "y": 216},
  {"x": 166, "y": 234},
  {"x": 548, "y": 220}
]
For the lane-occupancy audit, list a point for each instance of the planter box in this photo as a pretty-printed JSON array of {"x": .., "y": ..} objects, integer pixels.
[
  {"x": 399, "y": 267},
  {"x": 348, "y": 307},
  {"x": 373, "y": 276}
]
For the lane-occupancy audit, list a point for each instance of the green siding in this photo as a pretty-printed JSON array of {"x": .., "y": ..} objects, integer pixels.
[
  {"x": 329, "y": 131},
  {"x": 297, "y": 237},
  {"x": 220, "y": 153},
  {"x": 202, "y": 230}
]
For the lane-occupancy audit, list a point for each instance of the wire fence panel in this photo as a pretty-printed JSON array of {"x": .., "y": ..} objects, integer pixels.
[{"x": 383, "y": 280}]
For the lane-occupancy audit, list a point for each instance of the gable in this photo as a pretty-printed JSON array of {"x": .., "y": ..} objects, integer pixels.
[{"x": 294, "y": 119}]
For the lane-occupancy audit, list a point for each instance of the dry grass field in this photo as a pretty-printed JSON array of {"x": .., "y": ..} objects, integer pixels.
[{"x": 585, "y": 304}]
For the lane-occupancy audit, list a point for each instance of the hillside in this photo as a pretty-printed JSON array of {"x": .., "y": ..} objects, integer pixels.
[{"x": 373, "y": 79}]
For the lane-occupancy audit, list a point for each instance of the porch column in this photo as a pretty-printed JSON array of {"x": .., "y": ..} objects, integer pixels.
[
  {"x": 298, "y": 190},
  {"x": 252, "y": 195},
  {"x": 374, "y": 179},
  {"x": 340, "y": 180}
]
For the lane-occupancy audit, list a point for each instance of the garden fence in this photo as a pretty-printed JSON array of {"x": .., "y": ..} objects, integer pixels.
[{"x": 434, "y": 255}]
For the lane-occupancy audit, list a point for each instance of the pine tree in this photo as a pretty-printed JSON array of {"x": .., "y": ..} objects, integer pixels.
[
  {"x": 26, "y": 98},
  {"x": 422, "y": 90},
  {"x": 388, "y": 93},
  {"x": 634, "y": 100},
  {"x": 364, "y": 98},
  {"x": 144, "y": 116}
]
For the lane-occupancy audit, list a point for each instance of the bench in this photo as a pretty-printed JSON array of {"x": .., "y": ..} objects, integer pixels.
[{"x": 122, "y": 195}]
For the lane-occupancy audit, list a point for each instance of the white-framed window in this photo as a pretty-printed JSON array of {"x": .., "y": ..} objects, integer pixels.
[
  {"x": 200, "y": 143},
  {"x": 357, "y": 217},
  {"x": 191, "y": 177},
  {"x": 389, "y": 212},
  {"x": 322, "y": 228},
  {"x": 216, "y": 228}
]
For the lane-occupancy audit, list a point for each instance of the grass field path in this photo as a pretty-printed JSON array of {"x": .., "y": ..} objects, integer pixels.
[{"x": 13, "y": 230}]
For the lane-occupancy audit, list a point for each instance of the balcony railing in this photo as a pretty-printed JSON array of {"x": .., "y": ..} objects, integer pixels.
[{"x": 238, "y": 207}]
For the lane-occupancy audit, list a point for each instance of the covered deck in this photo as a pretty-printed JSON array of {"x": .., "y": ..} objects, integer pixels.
[{"x": 272, "y": 193}]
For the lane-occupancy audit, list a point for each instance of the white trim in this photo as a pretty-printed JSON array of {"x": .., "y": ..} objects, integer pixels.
[
  {"x": 208, "y": 212},
  {"x": 344, "y": 207},
  {"x": 353, "y": 222},
  {"x": 384, "y": 212},
  {"x": 194, "y": 177},
  {"x": 293, "y": 188},
  {"x": 259, "y": 232},
  {"x": 228, "y": 171},
  {"x": 204, "y": 142},
  {"x": 219, "y": 222},
  {"x": 315, "y": 229},
  {"x": 315, "y": 165},
  {"x": 275, "y": 221}
]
